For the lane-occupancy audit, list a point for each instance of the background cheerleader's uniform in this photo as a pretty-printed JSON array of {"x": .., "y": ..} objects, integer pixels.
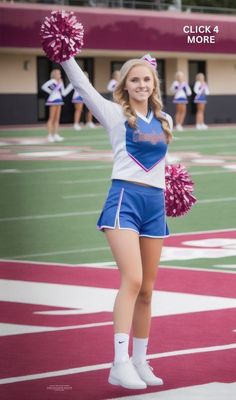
[
  {"x": 201, "y": 90},
  {"x": 139, "y": 158},
  {"x": 55, "y": 90},
  {"x": 181, "y": 91},
  {"x": 111, "y": 85},
  {"x": 76, "y": 98}
]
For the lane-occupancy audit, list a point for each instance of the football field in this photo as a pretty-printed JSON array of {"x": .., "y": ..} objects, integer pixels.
[
  {"x": 58, "y": 279},
  {"x": 52, "y": 194}
]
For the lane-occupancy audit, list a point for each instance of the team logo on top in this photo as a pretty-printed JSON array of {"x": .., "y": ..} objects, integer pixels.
[{"x": 146, "y": 144}]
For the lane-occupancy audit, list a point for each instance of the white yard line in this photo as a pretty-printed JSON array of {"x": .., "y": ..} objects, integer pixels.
[
  {"x": 204, "y": 138},
  {"x": 112, "y": 264},
  {"x": 101, "y": 249},
  {"x": 97, "y": 367},
  {"x": 55, "y": 253},
  {"x": 59, "y": 169},
  {"x": 202, "y": 146},
  {"x": 81, "y": 196},
  {"x": 46, "y": 216},
  {"x": 221, "y": 200},
  {"x": 217, "y": 171},
  {"x": 92, "y": 212},
  {"x": 92, "y": 180}
]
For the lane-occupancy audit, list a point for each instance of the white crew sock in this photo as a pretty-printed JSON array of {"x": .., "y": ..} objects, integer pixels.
[
  {"x": 139, "y": 350},
  {"x": 121, "y": 342}
]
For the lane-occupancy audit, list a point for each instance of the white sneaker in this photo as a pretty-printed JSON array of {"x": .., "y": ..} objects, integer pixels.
[
  {"x": 199, "y": 127},
  {"x": 124, "y": 374},
  {"x": 90, "y": 125},
  {"x": 77, "y": 127},
  {"x": 51, "y": 138},
  {"x": 58, "y": 138},
  {"x": 144, "y": 371},
  {"x": 179, "y": 128},
  {"x": 204, "y": 126}
]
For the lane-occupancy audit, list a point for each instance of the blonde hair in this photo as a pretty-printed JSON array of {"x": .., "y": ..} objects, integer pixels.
[
  {"x": 200, "y": 77},
  {"x": 121, "y": 96},
  {"x": 179, "y": 76},
  {"x": 116, "y": 74}
]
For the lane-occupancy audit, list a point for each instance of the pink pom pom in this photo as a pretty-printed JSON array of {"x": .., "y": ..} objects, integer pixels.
[
  {"x": 179, "y": 188},
  {"x": 61, "y": 36}
]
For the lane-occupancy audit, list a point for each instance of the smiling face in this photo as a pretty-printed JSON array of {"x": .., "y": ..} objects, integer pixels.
[{"x": 139, "y": 85}]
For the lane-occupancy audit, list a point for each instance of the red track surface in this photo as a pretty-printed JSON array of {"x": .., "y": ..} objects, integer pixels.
[{"x": 42, "y": 352}]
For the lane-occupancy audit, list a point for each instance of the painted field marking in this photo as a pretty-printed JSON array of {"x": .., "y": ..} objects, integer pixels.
[
  {"x": 86, "y": 181},
  {"x": 97, "y": 367},
  {"x": 80, "y": 196},
  {"x": 47, "y": 153},
  {"x": 54, "y": 253},
  {"x": 9, "y": 171},
  {"x": 217, "y": 253},
  {"x": 112, "y": 265},
  {"x": 8, "y": 329},
  {"x": 233, "y": 266},
  {"x": 221, "y": 200},
  {"x": 59, "y": 169},
  {"x": 94, "y": 180},
  {"x": 205, "y": 138},
  {"x": 92, "y": 212},
  {"x": 203, "y": 146},
  {"x": 46, "y": 216},
  {"x": 107, "y": 179},
  {"x": 99, "y": 299},
  {"x": 208, "y": 391}
]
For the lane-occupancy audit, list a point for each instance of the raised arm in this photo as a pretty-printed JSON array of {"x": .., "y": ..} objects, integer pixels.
[{"x": 105, "y": 111}]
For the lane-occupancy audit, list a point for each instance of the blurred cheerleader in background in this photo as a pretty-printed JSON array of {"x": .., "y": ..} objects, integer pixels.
[
  {"x": 77, "y": 100},
  {"x": 56, "y": 90},
  {"x": 201, "y": 89},
  {"x": 181, "y": 91}
]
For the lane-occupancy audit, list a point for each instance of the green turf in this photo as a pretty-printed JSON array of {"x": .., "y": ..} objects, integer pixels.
[{"x": 41, "y": 219}]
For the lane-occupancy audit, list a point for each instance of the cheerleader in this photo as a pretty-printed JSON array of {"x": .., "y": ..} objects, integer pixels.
[
  {"x": 181, "y": 92},
  {"x": 133, "y": 218},
  {"x": 201, "y": 90},
  {"x": 55, "y": 88},
  {"x": 113, "y": 82},
  {"x": 77, "y": 100}
]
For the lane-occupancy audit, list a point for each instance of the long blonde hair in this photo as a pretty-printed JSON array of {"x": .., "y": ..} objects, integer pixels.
[
  {"x": 200, "y": 77},
  {"x": 121, "y": 96}
]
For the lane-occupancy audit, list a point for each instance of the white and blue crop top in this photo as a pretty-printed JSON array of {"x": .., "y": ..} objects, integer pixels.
[{"x": 139, "y": 154}]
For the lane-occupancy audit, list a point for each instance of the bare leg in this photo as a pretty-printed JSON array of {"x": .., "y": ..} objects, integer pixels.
[
  {"x": 180, "y": 114},
  {"x": 77, "y": 113},
  {"x": 50, "y": 123},
  {"x": 89, "y": 117},
  {"x": 57, "y": 116},
  {"x": 89, "y": 120},
  {"x": 200, "y": 113},
  {"x": 125, "y": 247},
  {"x": 150, "y": 253}
]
